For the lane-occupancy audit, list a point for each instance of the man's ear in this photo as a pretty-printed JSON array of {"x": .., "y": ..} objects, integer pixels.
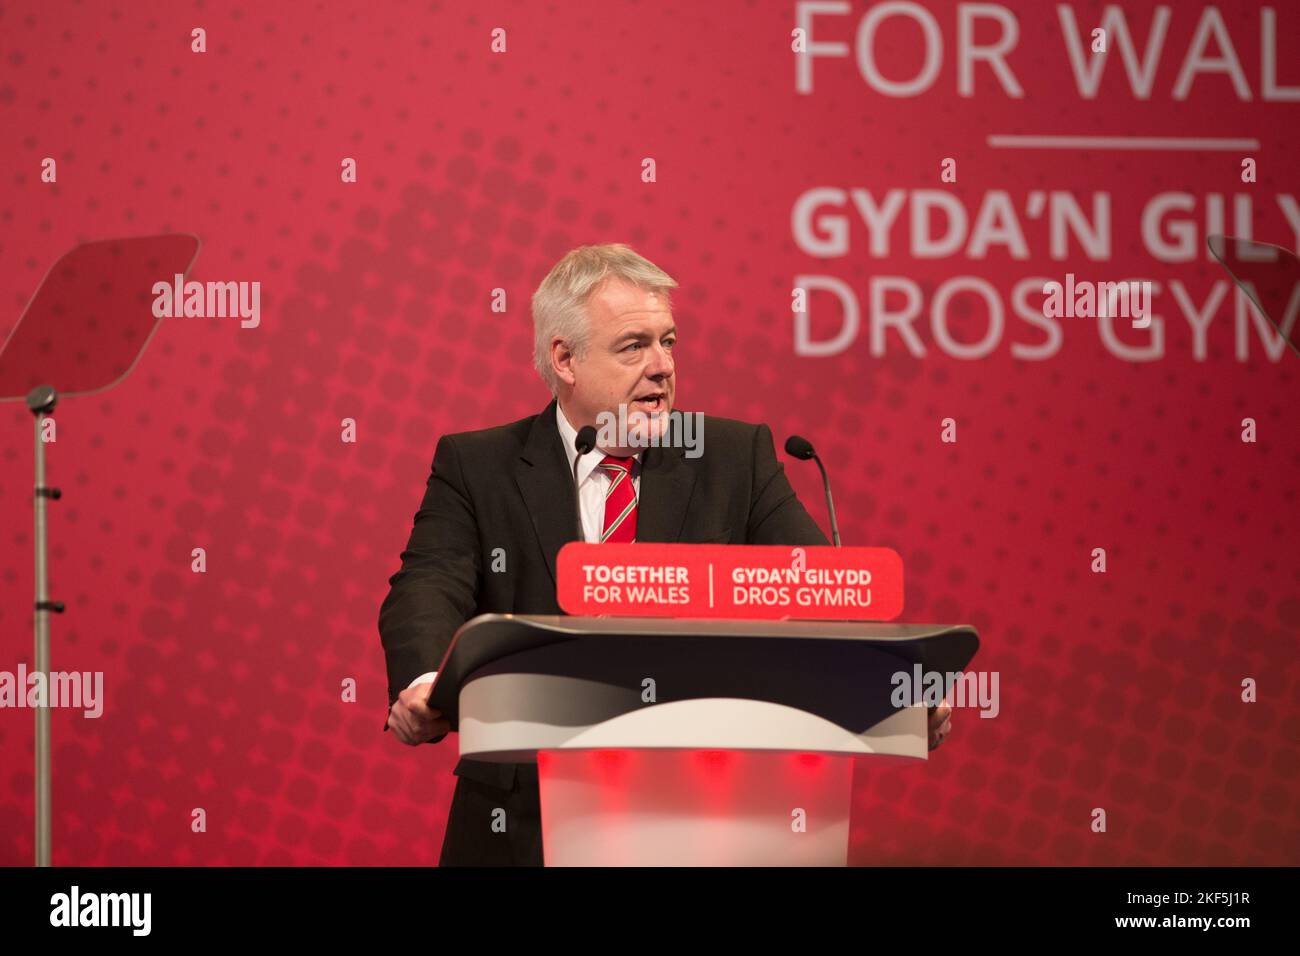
[{"x": 562, "y": 361}]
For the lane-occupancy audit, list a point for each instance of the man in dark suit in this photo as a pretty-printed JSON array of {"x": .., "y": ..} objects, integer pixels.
[{"x": 604, "y": 340}]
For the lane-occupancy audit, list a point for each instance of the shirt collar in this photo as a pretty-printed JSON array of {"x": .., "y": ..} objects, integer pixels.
[{"x": 569, "y": 435}]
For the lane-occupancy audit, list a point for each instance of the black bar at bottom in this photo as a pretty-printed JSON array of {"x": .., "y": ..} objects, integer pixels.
[{"x": 924, "y": 905}]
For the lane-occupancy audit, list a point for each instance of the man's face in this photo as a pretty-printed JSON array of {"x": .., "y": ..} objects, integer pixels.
[{"x": 628, "y": 361}]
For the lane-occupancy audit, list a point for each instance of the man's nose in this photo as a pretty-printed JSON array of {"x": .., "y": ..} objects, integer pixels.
[{"x": 660, "y": 363}]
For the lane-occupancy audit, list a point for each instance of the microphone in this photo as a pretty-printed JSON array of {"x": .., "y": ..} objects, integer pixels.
[
  {"x": 799, "y": 447},
  {"x": 583, "y": 444}
]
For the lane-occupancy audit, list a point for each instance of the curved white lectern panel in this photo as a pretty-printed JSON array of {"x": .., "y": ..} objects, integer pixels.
[{"x": 565, "y": 713}]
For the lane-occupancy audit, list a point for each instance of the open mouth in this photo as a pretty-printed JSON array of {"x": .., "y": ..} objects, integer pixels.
[{"x": 652, "y": 403}]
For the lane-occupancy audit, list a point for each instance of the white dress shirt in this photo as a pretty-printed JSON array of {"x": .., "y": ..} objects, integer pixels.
[{"x": 593, "y": 483}]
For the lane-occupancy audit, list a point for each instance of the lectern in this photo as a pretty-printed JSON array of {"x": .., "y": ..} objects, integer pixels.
[{"x": 663, "y": 742}]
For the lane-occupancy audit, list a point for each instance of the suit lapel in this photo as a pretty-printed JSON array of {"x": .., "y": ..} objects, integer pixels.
[
  {"x": 666, "y": 484},
  {"x": 543, "y": 476}
]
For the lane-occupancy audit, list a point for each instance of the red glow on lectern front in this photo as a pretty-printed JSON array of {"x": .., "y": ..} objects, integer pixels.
[{"x": 694, "y": 807}]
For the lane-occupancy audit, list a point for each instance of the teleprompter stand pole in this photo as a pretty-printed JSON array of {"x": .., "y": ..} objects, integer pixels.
[{"x": 41, "y": 401}]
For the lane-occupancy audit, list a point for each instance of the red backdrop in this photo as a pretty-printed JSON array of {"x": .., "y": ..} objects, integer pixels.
[{"x": 477, "y": 170}]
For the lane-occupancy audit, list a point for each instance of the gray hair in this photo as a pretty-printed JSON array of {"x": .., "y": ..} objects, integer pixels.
[{"x": 560, "y": 302}]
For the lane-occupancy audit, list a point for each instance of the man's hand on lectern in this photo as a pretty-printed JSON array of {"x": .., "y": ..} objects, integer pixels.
[
  {"x": 413, "y": 720},
  {"x": 940, "y": 723}
]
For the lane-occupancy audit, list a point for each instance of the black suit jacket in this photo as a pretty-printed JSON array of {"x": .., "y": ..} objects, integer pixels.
[{"x": 510, "y": 488}]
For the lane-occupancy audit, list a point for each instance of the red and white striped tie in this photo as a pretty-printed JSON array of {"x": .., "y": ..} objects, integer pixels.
[{"x": 620, "y": 501}]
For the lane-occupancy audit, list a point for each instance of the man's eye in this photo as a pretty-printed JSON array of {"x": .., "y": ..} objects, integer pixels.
[
  {"x": 669, "y": 343},
  {"x": 634, "y": 345}
]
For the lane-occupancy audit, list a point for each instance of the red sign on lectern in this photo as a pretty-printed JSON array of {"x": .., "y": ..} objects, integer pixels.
[{"x": 730, "y": 581}]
